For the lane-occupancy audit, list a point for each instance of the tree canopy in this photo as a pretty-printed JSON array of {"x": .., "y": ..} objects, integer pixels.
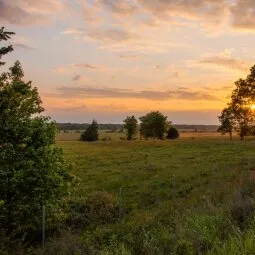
[
  {"x": 227, "y": 121},
  {"x": 91, "y": 133},
  {"x": 153, "y": 125},
  {"x": 4, "y": 36},
  {"x": 33, "y": 172},
  {"x": 172, "y": 133},
  {"x": 130, "y": 125},
  {"x": 240, "y": 113}
]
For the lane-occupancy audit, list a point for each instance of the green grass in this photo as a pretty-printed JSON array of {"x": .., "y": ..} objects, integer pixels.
[
  {"x": 145, "y": 169},
  {"x": 185, "y": 183}
]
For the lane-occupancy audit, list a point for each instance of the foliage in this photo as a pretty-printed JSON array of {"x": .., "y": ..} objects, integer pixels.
[
  {"x": 4, "y": 36},
  {"x": 227, "y": 121},
  {"x": 239, "y": 113},
  {"x": 91, "y": 133},
  {"x": 172, "y": 133},
  {"x": 183, "y": 247},
  {"x": 33, "y": 173},
  {"x": 131, "y": 127},
  {"x": 96, "y": 208},
  {"x": 66, "y": 243},
  {"x": 242, "y": 208},
  {"x": 153, "y": 125}
]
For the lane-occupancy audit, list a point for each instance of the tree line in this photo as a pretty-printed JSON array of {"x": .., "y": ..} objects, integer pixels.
[
  {"x": 239, "y": 114},
  {"x": 82, "y": 126},
  {"x": 118, "y": 127},
  {"x": 153, "y": 125}
]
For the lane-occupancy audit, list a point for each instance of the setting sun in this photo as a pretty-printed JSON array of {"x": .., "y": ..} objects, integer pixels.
[{"x": 253, "y": 106}]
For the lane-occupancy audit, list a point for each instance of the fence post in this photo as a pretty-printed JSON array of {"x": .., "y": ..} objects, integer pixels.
[
  {"x": 43, "y": 226},
  {"x": 120, "y": 206},
  {"x": 173, "y": 183}
]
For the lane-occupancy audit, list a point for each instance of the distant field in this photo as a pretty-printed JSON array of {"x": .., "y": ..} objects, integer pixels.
[
  {"x": 161, "y": 181},
  {"x": 141, "y": 167},
  {"x": 75, "y": 135}
]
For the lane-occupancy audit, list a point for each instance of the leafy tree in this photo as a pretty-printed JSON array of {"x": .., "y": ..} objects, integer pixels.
[
  {"x": 242, "y": 115},
  {"x": 131, "y": 127},
  {"x": 33, "y": 172},
  {"x": 227, "y": 121},
  {"x": 4, "y": 36},
  {"x": 172, "y": 133},
  {"x": 154, "y": 125},
  {"x": 91, "y": 133}
]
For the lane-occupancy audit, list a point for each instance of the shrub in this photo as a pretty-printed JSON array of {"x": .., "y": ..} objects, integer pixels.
[
  {"x": 91, "y": 133},
  {"x": 242, "y": 208},
  {"x": 64, "y": 244},
  {"x": 172, "y": 133},
  {"x": 96, "y": 209}
]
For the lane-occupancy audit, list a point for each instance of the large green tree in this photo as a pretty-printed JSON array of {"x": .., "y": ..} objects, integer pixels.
[
  {"x": 33, "y": 172},
  {"x": 240, "y": 111},
  {"x": 154, "y": 125},
  {"x": 4, "y": 36},
  {"x": 131, "y": 127}
]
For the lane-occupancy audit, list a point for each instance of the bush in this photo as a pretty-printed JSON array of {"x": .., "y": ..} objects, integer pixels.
[
  {"x": 91, "y": 133},
  {"x": 96, "y": 209},
  {"x": 65, "y": 244},
  {"x": 242, "y": 208},
  {"x": 172, "y": 133}
]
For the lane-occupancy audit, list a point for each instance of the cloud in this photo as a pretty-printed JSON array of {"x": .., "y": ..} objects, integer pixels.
[
  {"x": 112, "y": 35},
  {"x": 103, "y": 92},
  {"x": 128, "y": 57},
  {"x": 18, "y": 16},
  {"x": 22, "y": 42},
  {"x": 29, "y": 12},
  {"x": 71, "y": 67},
  {"x": 243, "y": 15},
  {"x": 73, "y": 31},
  {"x": 120, "y": 39},
  {"x": 69, "y": 109},
  {"x": 22, "y": 46},
  {"x": 86, "y": 66},
  {"x": 210, "y": 13},
  {"x": 120, "y": 7},
  {"x": 224, "y": 60}
]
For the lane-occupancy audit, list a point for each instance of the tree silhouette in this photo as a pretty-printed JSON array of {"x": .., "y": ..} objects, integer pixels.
[
  {"x": 91, "y": 133},
  {"x": 4, "y": 36},
  {"x": 131, "y": 127}
]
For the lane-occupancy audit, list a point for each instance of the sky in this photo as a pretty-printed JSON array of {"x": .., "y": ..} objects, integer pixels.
[{"x": 106, "y": 59}]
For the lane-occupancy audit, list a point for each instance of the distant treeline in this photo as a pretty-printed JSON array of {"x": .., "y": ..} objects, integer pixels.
[
  {"x": 83, "y": 126},
  {"x": 115, "y": 127}
]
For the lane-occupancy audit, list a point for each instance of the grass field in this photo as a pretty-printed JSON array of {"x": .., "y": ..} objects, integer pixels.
[{"x": 174, "y": 193}]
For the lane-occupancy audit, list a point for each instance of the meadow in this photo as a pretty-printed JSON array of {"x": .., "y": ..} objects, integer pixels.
[{"x": 193, "y": 195}]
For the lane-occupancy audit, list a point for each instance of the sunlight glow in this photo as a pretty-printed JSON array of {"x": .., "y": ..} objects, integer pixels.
[{"x": 253, "y": 106}]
